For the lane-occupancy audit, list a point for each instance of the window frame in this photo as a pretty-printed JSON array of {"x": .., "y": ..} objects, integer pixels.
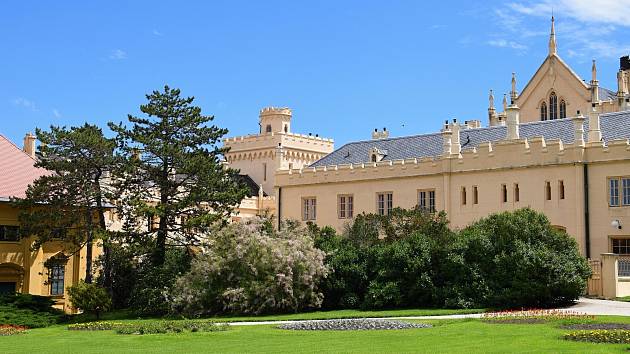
[
  {"x": 388, "y": 203},
  {"x": 543, "y": 111},
  {"x": 517, "y": 193},
  {"x": 475, "y": 195},
  {"x": 622, "y": 188},
  {"x": 562, "y": 108},
  {"x": 56, "y": 278},
  {"x": 4, "y": 231},
  {"x": 626, "y": 245},
  {"x": 553, "y": 106},
  {"x": 548, "y": 194},
  {"x": 463, "y": 196},
  {"x": 426, "y": 200},
  {"x": 561, "y": 190},
  {"x": 504, "y": 193},
  {"x": 309, "y": 208},
  {"x": 345, "y": 206}
]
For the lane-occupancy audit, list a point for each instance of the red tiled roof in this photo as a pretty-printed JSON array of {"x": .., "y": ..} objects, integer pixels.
[{"x": 17, "y": 170}]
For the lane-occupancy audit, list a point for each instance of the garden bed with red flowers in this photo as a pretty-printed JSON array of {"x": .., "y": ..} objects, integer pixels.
[{"x": 9, "y": 330}]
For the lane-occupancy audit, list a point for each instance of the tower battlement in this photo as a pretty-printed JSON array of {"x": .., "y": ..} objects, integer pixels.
[{"x": 269, "y": 111}]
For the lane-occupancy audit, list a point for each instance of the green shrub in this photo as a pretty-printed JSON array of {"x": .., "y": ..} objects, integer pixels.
[
  {"x": 600, "y": 336},
  {"x": 521, "y": 261},
  {"x": 10, "y": 315},
  {"x": 27, "y": 310},
  {"x": 411, "y": 259},
  {"x": 90, "y": 298}
]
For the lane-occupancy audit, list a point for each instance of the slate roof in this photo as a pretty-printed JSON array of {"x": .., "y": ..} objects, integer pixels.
[
  {"x": 17, "y": 170},
  {"x": 251, "y": 185},
  {"x": 606, "y": 94},
  {"x": 613, "y": 126}
]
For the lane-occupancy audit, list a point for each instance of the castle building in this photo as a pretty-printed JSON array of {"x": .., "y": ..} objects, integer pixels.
[
  {"x": 275, "y": 147},
  {"x": 560, "y": 146}
]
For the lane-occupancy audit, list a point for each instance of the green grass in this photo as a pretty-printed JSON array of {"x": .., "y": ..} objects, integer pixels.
[
  {"x": 448, "y": 336},
  {"x": 315, "y": 315},
  {"x": 624, "y": 299}
]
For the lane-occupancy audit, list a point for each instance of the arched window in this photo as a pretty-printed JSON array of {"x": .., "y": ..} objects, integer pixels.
[
  {"x": 543, "y": 111},
  {"x": 553, "y": 106},
  {"x": 563, "y": 109},
  {"x": 374, "y": 158},
  {"x": 286, "y": 127},
  {"x": 268, "y": 129}
]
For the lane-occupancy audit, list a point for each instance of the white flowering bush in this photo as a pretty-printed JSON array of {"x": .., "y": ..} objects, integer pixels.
[{"x": 249, "y": 268}]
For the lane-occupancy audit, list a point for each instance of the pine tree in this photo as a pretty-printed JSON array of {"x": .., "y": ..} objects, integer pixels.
[
  {"x": 173, "y": 185},
  {"x": 69, "y": 203}
]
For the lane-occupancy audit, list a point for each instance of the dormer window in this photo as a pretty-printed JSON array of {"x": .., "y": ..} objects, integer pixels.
[{"x": 377, "y": 155}]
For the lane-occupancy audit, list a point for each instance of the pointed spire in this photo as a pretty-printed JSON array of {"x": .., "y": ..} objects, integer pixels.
[
  {"x": 513, "y": 93},
  {"x": 505, "y": 102},
  {"x": 552, "y": 38},
  {"x": 491, "y": 101},
  {"x": 594, "y": 72}
]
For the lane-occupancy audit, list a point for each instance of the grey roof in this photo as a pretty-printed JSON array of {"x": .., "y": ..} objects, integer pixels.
[
  {"x": 606, "y": 94},
  {"x": 613, "y": 126}
]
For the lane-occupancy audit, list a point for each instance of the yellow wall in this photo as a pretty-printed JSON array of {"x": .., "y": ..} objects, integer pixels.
[{"x": 33, "y": 280}]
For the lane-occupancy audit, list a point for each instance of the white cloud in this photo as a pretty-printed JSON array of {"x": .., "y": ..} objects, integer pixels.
[
  {"x": 615, "y": 12},
  {"x": 56, "y": 113},
  {"x": 503, "y": 43},
  {"x": 157, "y": 33},
  {"x": 585, "y": 28},
  {"x": 25, "y": 103},
  {"x": 118, "y": 54}
]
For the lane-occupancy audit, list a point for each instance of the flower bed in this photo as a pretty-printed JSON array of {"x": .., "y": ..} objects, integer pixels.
[
  {"x": 161, "y": 327},
  {"x": 600, "y": 336},
  {"x": 535, "y": 316},
  {"x": 351, "y": 325},
  {"x": 95, "y": 326},
  {"x": 9, "y": 330},
  {"x": 594, "y": 326}
]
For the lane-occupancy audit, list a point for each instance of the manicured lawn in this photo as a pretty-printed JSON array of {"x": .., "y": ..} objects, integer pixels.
[{"x": 448, "y": 336}]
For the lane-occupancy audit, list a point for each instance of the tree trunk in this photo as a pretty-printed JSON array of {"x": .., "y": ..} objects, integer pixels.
[{"x": 89, "y": 241}]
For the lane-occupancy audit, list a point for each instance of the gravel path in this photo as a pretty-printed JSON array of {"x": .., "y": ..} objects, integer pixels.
[{"x": 584, "y": 305}]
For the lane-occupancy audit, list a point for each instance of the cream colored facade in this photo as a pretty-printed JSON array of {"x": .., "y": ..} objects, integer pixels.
[{"x": 567, "y": 177}]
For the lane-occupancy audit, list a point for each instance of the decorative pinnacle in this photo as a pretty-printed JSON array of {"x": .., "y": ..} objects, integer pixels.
[{"x": 552, "y": 37}]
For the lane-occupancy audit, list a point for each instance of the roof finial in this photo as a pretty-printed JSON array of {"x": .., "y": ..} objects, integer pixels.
[
  {"x": 505, "y": 102},
  {"x": 491, "y": 99},
  {"x": 513, "y": 93},
  {"x": 594, "y": 72},
  {"x": 552, "y": 37}
]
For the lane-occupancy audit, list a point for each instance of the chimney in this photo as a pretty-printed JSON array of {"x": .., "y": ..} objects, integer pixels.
[
  {"x": 29, "y": 144},
  {"x": 385, "y": 133},
  {"x": 473, "y": 124},
  {"x": 513, "y": 121},
  {"x": 447, "y": 136},
  {"x": 594, "y": 133},
  {"x": 456, "y": 148},
  {"x": 578, "y": 124}
]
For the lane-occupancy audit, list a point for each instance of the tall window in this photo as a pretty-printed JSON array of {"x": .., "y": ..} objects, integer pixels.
[
  {"x": 619, "y": 191},
  {"x": 504, "y": 193},
  {"x": 547, "y": 190},
  {"x": 543, "y": 111},
  {"x": 264, "y": 171},
  {"x": 9, "y": 233},
  {"x": 553, "y": 106},
  {"x": 56, "y": 273},
  {"x": 384, "y": 203},
  {"x": 563, "y": 109},
  {"x": 463, "y": 195},
  {"x": 475, "y": 195},
  {"x": 561, "y": 189},
  {"x": 268, "y": 129},
  {"x": 345, "y": 206},
  {"x": 426, "y": 200},
  {"x": 309, "y": 206},
  {"x": 517, "y": 193}
]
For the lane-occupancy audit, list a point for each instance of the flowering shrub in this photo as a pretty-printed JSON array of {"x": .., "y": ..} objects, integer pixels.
[
  {"x": 95, "y": 326},
  {"x": 531, "y": 315},
  {"x": 600, "y": 336},
  {"x": 9, "y": 330},
  {"x": 251, "y": 268},
  {"x": 161, "y": 327}
]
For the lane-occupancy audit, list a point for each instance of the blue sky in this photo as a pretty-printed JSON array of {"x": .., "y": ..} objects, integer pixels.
[{"x": 344, "y": 67}]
